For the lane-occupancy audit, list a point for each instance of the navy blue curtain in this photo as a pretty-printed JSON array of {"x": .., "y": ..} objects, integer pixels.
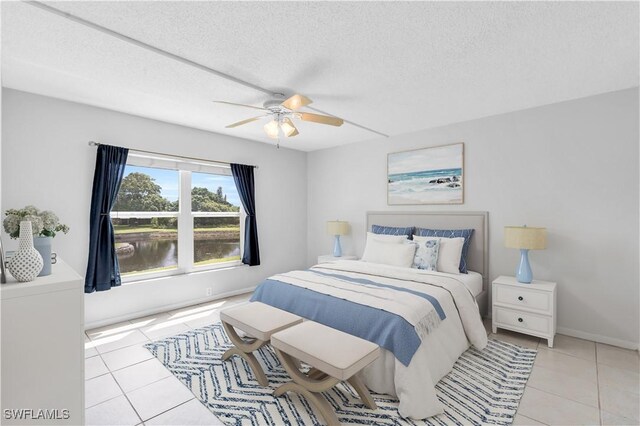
[
  {"x": 103, "y": 271},
  {"x": 243, "y": 176}
]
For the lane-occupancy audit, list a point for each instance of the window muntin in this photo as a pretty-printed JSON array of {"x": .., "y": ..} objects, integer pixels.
[{"x": 170, "y": 221}]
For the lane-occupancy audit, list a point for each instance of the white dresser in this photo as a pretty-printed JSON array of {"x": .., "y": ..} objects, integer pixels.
[
  {"x": 42, "y": 349},
  {"x": 525, "y": 308}
]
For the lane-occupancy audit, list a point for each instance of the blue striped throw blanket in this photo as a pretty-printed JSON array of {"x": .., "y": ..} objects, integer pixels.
[{"x": 378, "y": 309}]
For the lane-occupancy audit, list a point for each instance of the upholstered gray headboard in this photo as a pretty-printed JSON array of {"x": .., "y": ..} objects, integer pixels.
[{"x": 478, "y": 255}]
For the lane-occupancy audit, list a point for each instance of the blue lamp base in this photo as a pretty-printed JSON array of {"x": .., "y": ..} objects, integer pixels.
[
  {"x": 523, "y": 273},
  {"x": 337, "y": 250}
]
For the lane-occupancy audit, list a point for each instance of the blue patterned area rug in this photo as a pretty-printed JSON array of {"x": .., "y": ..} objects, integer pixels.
[{"x": 484, "y": 387}]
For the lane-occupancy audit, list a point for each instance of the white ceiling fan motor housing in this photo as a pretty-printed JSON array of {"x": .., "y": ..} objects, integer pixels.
[{"x": 275, "y": 103}]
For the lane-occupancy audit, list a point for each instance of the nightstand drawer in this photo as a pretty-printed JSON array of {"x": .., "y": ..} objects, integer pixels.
[
  {"x": 523, "y": 320},
  {"x": 524, "y": 298}
]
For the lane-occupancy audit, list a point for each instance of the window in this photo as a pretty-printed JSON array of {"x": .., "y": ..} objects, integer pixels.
[
  {"x": 173, "y": 217},
  {"x": 216, "y": 219}
]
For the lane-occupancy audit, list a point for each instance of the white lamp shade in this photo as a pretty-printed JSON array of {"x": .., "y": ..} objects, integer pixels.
[
  {"x": 272, "y": 129},
  {"x": 337, "y": 227},
  {"x": 524, "y": 237},
  {"x": 288, "y": 128}
]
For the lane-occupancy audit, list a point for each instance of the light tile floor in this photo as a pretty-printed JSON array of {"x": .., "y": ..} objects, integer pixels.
[{"x": 576, "y": 382}]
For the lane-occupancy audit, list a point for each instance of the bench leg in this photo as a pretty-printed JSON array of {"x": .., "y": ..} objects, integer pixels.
[
  {"x": 309, "y": 383},
  {"x": 362, "y": 390},
  {"x": 321, "y": 404},
  {"x": 354, "y": 381},
  {"x": 244, "y": 349},
  {"x": 248, "y": 345},
  {"x": 309, "y": 387},
  {"x": 316, "y": 374},
  {"x": 253, "y": 364}
]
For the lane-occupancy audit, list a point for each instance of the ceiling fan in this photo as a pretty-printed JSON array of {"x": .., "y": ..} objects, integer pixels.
[{"x": 281, "y": 111}]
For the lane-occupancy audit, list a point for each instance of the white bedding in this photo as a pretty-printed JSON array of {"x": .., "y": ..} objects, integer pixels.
[
  {"x": 473, "y": 281},
  {"x": 439, "y": 350}
]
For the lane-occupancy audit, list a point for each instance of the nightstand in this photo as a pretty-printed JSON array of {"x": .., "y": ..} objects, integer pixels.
[
  {"x": 525, "y": 308},
  {"x": 324, "y": 258}
]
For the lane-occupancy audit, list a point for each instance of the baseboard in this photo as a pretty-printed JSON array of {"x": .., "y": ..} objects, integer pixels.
[
  {"x": 626, "y": 344},
  {"x": 144, "y": 313}
]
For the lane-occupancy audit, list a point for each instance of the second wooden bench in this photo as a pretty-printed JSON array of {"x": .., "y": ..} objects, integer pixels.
[{"x": 335, "y": 357}]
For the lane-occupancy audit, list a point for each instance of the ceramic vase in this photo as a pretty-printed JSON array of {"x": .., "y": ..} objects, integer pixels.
[
  {"x": 26, "y": 263},
  {"x": 43, "y": 245}
]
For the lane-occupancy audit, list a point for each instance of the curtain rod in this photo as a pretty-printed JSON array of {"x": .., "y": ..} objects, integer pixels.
[{"x": 92, "y": 143}]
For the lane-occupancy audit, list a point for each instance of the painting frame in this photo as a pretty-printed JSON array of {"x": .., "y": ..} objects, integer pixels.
[{"x": 428, "y": 196}]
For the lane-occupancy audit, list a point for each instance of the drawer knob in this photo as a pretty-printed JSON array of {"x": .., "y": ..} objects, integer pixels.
[
  {"x": 520, "y": 298},
  {"x": 520, "y": 320}
]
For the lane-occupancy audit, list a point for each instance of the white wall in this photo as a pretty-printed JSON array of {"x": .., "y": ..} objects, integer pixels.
[
  {"x": 570, "y": 167},
  {"x": 46, "y": 162}
]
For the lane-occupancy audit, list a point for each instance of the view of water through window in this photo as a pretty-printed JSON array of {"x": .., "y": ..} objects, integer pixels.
[{"x": 150, "y": 244}]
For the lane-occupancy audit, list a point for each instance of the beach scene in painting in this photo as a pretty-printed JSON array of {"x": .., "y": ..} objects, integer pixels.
[{"x": 426, "y": 176}]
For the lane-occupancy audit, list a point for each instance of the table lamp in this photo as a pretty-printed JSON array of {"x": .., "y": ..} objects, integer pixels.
[
  {"x": 525, "y": 239},
  {"x": 337, "y": 228}
]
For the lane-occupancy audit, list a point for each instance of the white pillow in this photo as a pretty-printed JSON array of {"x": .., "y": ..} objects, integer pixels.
[
  {"x": 389, "y": 254},
  {"x": 383, "y": 238},
  {"x": 449, "y": 253}
]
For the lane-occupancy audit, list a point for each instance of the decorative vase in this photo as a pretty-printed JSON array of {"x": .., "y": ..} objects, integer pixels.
[
  {"x": 26, "y": 264},
  {"x": 43, "y": 245}
]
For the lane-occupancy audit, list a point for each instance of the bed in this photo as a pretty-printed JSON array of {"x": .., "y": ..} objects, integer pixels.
[
  {"x": 478, "y": 257},
  {"x": 422, "y": 320}
]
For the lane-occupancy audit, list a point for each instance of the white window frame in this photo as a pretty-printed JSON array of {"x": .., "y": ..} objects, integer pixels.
[{"x": 184, "y": 215}]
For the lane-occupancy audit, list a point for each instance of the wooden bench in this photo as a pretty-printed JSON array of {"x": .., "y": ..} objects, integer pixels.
[
  {"x": 259, "y": 321},
  {"x": 334, "y": 356}
]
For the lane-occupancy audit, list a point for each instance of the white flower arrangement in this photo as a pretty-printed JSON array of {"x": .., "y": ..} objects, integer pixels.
[{"x": 44, "y": 223}]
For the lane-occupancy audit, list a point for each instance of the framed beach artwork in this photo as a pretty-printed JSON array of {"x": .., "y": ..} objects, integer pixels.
[{"x": 426, "y": 176}]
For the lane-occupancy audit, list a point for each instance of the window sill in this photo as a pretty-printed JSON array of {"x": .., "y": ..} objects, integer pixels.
[
  {"x": 217, "y": 266},
  {"x": 135, "y": 279}
]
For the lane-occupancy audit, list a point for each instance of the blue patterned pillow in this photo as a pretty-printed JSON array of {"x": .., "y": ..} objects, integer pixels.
[
  {"x": 392, "y": 230},
  {"x": 451, "y": 233},
  {"x": 426, "y": 256}
]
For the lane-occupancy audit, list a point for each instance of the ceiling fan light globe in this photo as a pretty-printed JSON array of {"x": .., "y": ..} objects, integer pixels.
[
  {"x": 288, "y": 128},
  {"x": 271, "y": 128}
]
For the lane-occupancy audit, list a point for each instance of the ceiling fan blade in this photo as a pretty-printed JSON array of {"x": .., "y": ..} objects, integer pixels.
[
  {"x": 322, "y": 119},
  {"x": 240, "y": 123},
  {"x": 296, "y": 102},
  {"x": 241, "y": 105}
]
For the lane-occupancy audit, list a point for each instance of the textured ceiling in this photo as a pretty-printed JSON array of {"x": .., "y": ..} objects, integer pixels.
[{"x": 395, "y": 67}]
